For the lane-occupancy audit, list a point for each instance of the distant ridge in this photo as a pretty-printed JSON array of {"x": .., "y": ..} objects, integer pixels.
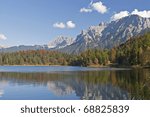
[{"x": 104, "y": 36}]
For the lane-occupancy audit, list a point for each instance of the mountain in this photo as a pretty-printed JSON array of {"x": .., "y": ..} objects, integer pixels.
[
  {"x": 118, "y": 32},
  {"x": 103, "y": 36},
  {"x": 87, "y": 39},
  {"x": 23, "y": 48},
  {"x": 60, "y": 42},
  {"x": 57, "y": 43},
  {"x": 1, "y": 47},
  {"x": 109, "y": 35}
]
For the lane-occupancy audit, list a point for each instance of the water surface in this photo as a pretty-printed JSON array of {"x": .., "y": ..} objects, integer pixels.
[{"x": 73, "y": 83}]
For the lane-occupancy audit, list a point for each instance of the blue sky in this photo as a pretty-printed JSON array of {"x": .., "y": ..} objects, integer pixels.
[{"x": 29, "y": 22}]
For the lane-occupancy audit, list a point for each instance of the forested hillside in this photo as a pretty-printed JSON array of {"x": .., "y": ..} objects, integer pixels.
[
  {"x": 34, "y": 57},
  {"x": 135, "y": 51}
]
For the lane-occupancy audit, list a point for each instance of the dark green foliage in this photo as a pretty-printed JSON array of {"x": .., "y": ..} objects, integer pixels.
[
  {"x": 39, "y": 57},
  {"x": 135, "y": 51},
  {"x": 92, "y": 57}
]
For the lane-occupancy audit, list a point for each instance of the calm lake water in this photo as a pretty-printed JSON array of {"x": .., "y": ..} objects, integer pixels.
[{"x": 73, "y": 83}]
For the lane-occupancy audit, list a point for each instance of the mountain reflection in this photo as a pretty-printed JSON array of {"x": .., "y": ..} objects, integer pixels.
[
  {"x": 3, "y": 83},
  {"x": 134, "y": 84},
  {"x": 59, "y": 88},
  {"x": 1, "y": 93}
]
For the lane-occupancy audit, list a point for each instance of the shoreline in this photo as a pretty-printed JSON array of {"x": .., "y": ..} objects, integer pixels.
[{"x": 90, "y": 66}]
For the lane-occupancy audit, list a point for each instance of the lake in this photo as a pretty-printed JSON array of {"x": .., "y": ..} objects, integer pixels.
[{"x": 73, "y": 83}]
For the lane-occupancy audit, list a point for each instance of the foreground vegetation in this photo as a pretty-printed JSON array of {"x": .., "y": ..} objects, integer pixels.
[{"x": 135, "y": 51}]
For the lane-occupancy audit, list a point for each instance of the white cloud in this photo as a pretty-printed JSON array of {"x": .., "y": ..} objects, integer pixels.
[
  {"x": 99, "y": 7},
  {"x": 120, "y": 15},
  {"x": 60, "y": 25},
  {"x": 86, "y": 10},
  {"x": 144, "y": 13},
  {"x": 70, "y": 24},
  {"x": 3, "y": 37}
]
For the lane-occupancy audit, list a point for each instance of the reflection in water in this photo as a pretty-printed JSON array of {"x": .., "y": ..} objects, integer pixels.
[
  {"x": 134, "y": 84},
  {"x": 59, "y": 88},
  {"x": 1, "y": 93},
  {"x": 3, "y": 83}
]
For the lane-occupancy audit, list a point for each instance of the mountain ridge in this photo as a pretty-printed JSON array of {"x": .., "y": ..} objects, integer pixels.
[
  {"x": 102, "y": 36},
  {"x": 113, "y": 34},
  {"x": 60, "y": 42}
]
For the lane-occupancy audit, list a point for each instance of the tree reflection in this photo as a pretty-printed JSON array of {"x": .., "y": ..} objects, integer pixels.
[{"x": 123, "y": 84}]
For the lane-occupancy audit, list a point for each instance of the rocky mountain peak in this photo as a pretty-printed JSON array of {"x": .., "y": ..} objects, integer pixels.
[
  {"x": 60, "y": 42},
  {"x": 104, "y": 35},
  {"x": 108, "y": 35}
]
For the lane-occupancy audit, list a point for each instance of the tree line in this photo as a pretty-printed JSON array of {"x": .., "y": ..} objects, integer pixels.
[
  {"x": 34, "y": 57},
  {"x": 135, "y": 51}
]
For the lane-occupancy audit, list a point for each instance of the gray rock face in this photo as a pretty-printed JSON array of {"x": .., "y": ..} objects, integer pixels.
[
  {"x": 86, "y": 40},
  {"x": 60, "y": 42},
  {"x": 109, "y": 35},
  {"x": 105, "y": 35},
  {"x": 118, "y": 32}
]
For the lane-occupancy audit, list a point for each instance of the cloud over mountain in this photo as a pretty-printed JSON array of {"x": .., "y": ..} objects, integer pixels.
[
  {"x": 121, "y": 14},
  {"x": 86, "y": 10},
  {"x": 3, "y": 37},
  {"x": 60, "y": 25},
  {"x": 69, "y": 24},
  {"x": 99, "y": 7},
  {"x": 96, "y": 6},
  {"x": 144, "y": 13}
]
